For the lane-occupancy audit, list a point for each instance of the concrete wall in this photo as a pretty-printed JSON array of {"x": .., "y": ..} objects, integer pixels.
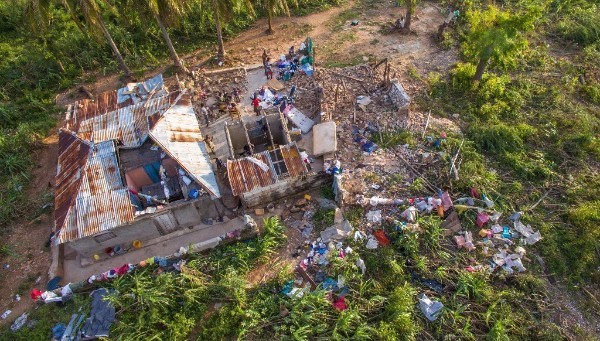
[
  {"x": 285, "y": 188},
  {"x": 146, "y": 228},
  {"x": 276, "y": 129},
  {"x": 237, "y": 134}
]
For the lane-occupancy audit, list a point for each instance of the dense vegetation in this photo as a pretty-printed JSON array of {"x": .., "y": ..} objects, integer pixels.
[
  {"x": 535, "y": 116},
  {"x": 531, "y": 126}
]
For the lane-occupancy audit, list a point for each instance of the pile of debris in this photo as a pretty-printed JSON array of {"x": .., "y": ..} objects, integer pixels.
[{"x": 218, "y": 90}]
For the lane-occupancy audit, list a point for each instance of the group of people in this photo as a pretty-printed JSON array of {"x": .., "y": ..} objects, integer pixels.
[
  {"x": 227, "y": 103},
  {"x": 287, "y": 65}
]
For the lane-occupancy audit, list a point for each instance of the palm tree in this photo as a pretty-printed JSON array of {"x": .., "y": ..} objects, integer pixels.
[
  {"x": 164, "y": 12},
  {"x": 37, "y": 15},
  {"x": 223, "y": 10},
  {"x": 407, "y": 21},
  {"x": 94, "y": 24},
  {"x": 274, "y": 7}
]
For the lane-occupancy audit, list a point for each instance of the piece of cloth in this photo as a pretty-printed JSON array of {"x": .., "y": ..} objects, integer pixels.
[
  {"x": 19, "y": 322},
  {"x": 101, "y": 317},
  {"x": 35, "y": 294},
  {"x": 340, "y": 304},
  {"x": 53, "y": 283},
  {"x": 372, "y": 243},
  {"x": 361, "y": 265},
  {"x": 381, "y": 237},
  {"x": 410, "y": 214},
  {"x": 374, "y": 216},
  {"x": 431, "y": 309},
  {"x": 482, "y": 218},
  {"x": 58, "y": 330}
]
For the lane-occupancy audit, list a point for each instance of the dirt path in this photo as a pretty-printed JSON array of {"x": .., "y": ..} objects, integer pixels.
[{"x": 28, "y": 258}]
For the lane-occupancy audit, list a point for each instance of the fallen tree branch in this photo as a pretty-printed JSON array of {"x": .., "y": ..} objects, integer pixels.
[
  {"x": 360, "y": 81},
  {"x": 539, "y": 201}
]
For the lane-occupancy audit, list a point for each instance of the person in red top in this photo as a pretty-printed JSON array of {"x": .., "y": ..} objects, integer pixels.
[{"x": 256, "y": 105}]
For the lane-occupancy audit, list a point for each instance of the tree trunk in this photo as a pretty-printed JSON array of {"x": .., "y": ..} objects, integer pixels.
[
  {"x": 480, "y": 68},
  {"x": 178, "y": 62},
  {"x": 114, "y": 48},
  {"x": 269, "y": 18},
  {"x": 221, "y": 52},
  {"x": 441, "y": 29},
  {"x": 409, "y": 10}
]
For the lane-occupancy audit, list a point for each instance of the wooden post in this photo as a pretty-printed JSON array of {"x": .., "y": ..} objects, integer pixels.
[
  {"x": 335, "y": 97},
  {"x": 426, "y": 125}
]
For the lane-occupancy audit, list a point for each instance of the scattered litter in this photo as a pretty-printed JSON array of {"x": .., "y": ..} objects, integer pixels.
[
  {"x": 433, "y": 284},
  {"x": 508, "y": 261},
  {"x": 340, "y": 304},
  {"x": 431, "y": 309},
  {"x": 382, "y": 239},
  {"x": 515, "y": 216},
  {"x": 58, "y": 331},
  {"x": 361, "y": 265},
  {"x": 482, "y": 218},
  {"x": 410, "y": 214},
  {"x": 19, "y": 322},
  {"x": 531, "y": 237},
  {"x": 374, "y": 216},
  {"x": 372, "y": 243},
  {"x": 359, "y": 235},
  {"x": 374, "y": 201},
  {"x": 5, "y": 314},
  {"x": 487, "y": 201}
]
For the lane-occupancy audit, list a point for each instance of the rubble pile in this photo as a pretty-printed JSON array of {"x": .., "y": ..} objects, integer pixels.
[{"x": 215, "y": 89}]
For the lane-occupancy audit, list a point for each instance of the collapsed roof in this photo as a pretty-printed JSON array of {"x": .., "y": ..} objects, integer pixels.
[{"x": 91, "y": 196}]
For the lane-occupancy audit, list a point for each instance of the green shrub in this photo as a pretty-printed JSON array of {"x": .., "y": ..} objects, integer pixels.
[
  {"x": 581, "y": 24},
  {"x": 500, "y": 137}
]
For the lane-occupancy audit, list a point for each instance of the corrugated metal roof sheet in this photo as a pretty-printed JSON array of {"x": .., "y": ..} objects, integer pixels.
[
  {"x": 72, "y": 158},
  {"x": 293, "y": 161},
  {"x": 128, "y": 124},
  {"x": 178, "y": 133},
  {"x": 102, "y": 202},
  {"x": 245, "y": 176},
  {"x": 119, "y": 114}
]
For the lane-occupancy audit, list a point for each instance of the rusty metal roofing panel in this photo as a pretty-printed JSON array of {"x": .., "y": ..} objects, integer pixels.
[
  {"x": 119, "y": 114},
  {"x": 102, "y": 170},
  {"x": 127, "y": 124},
  {"x": 103, "y": 211},
  {"x": 72, "y": 158},
  {"x": 245, "y": 176},
  {"x": 293, "y": 161},
  {"x": 178, "y": 134},
  {"x": 101, "y": 202}
]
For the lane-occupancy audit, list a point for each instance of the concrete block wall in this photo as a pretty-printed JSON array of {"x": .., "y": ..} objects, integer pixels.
[
  {"x": 147, "y": 228},
  {"x": 285, "y": 188}
]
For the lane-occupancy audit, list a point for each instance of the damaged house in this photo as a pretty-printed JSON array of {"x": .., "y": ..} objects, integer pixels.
[
  {"x": 132, "y": 167},
  {"x": 266, "y": 164}
]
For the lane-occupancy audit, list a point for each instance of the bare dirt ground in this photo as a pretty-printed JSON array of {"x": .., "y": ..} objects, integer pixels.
[
  {"x": 29, "y": 259},
  {"x": 337, "y": 43}
]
